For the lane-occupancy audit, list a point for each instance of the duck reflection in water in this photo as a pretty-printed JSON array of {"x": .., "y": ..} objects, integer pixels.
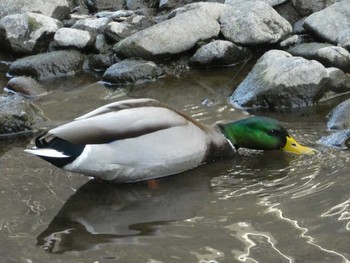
[{"x": 101, "y": 212}]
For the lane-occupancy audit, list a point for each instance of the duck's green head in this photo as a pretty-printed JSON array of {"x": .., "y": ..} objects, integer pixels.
[{"x": 262, "y": 133}]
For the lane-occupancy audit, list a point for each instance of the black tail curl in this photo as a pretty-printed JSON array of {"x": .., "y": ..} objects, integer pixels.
[{"x": 71, "y": 150}]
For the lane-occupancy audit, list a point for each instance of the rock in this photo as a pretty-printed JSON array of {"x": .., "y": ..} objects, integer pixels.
[
  {"x": 139, "y": 4},
  {"x": 73, "y": 38},
  {"x": 307, "y": 7},
  {"x": 339, "y": 117},
  {"x": 215, "y": 10},
  {"x": 48, "y": 65},
  {"x": 100, "y": 62},
  {"x": 27, "y": 33},
  {"x": 95, "y": 6},
  {"x": 298, "y": 27},
  {"x": 58, "y": 9},
  {"x": 295, "y": 40},
  {"x": 117, "y": 15},
  {"x": 288, "y": 12},
  {"x": 117, "y": 31},
  {"x": 170, "y": 37},
  {"x": 102, "y": 46},
  {"x": 279, "y": 80},
  {"x": 329, "y": 22},
  {"x": 327, "y": 54},
  {"x": 344, "y": 39},
  {"x": 219, "y": 53},
  {"x": 25, "y": 86},
  {"x": 18, "y": 116},
  {"x": 269, "y": 2},
  {"x": 253, "y": 23},
  {"x": 132, "y": 71},
  {"x": 93, "y": 25},
  {"x": 171, "y": 4},
  {"x": 339, "y": 140}
]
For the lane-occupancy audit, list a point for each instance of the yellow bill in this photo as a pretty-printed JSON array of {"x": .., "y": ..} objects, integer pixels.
[{"x": 294, "y": 147}]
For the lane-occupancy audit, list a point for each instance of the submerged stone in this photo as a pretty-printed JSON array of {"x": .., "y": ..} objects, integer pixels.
[{"x": 18, "y": 116}]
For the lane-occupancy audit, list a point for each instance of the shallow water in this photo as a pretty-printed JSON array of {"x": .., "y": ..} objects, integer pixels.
[{"x": 257, "y": 207}]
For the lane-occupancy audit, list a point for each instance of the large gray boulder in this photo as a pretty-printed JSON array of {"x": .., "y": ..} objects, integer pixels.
[
  {"x": 327, "y": 54},
  {"x": 131, "y": 71},
  {"x": 253, "y": 23},
  {"x": 307, "y": 7},
  {"x": 48, "y": 65},
  {"x": 219, "y": 53},
  {"x": 58, "y": 9},
  {"x": 339, "y": 117},
  {"x": 27, "y": 33},
  {"x": 170, "y": 37},
  {"x": 17, "y": 116},
  {"x": 279, "y": 80},
  {"x": 330, "y": 22}
]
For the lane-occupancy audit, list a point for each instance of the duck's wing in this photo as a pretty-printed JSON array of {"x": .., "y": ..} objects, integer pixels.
[{"x": 120, "y": 120}]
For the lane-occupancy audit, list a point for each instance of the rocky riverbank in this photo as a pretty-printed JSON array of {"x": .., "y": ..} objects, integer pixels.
[{"x": 306, "y": 47}]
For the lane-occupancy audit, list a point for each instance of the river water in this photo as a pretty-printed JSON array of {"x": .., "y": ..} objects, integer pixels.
[{"x": 258, "y": 207}]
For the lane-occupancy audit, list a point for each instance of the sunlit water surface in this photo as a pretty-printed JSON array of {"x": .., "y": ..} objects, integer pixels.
[{"x": 257, "y": 207}]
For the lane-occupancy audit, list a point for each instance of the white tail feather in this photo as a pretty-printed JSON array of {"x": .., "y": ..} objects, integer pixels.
[{"x": 47, "y": 152}]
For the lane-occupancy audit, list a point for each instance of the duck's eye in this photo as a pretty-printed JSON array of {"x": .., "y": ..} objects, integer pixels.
[{"x": 273, "y": 132}]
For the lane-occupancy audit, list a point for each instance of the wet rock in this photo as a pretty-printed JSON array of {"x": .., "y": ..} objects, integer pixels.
[
  {"x": 327, "y": 54},
  {"x": 269, "y": 2},
  {"x": 100, "y": 62},
  {"x": 132, "y": 71},
  {"x": 339, "y": 117},
  {"x": 219, "y": 53},
  {"x": 25, "y": 86},
  {"x": 95, "y": 6},
  {"x": 27, "y": 33},
  {"x": 279, "y": 80},
  {"x": 48, "y": 65},
  {"x": 339, "y": 140},
  {"x": 18, "y": 116},
  {"x": 93, "y": 25},
  {"x": 58, "y": 9},
  {"x": 117, "y": 31},
  {"x": 307, "y": 7},
  {"x": 73, "y": 38},
  {"x": 329, "y": 22},
  {"x": 253, "y": 23},
  {"x": 170, "y": 37}
]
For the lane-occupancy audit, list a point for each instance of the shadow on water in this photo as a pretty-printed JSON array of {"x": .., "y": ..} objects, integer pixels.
[{"x": 101, "y": 212}]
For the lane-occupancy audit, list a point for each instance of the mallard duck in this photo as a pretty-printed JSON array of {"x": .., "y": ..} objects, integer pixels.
[{"x": 141, "y": 139}]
